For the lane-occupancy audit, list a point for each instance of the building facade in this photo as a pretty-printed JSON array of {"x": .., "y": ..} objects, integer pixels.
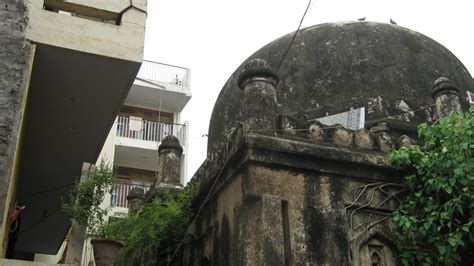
[
  {"x": 151, "y": 111},
  {"x": 66, "y": 69}
]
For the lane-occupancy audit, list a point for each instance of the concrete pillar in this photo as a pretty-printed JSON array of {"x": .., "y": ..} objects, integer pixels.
[
  {"x": 169, "y": 167},
  {"x": 258, "y": 82},
  {"x": 16, "y": 55},
  {"x": 446, "y": 97},
  {"x": 135, "y": 200}
]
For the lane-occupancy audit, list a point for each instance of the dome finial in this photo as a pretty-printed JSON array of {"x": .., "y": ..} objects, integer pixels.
[
  {"x": 257, "y": 68},
  {"x": 446, "y": 97},
  {"x": 443, "y": 84}
]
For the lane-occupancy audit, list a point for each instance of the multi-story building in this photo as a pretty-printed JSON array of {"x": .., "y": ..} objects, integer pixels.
[
  {"x": 65, "y": 70},
  {"x": 152, "y": 110}
]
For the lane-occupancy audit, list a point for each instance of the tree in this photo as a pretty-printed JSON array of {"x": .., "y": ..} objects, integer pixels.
[
  {"x": 157, "y": 231},
  {"x": 84, "y": 208},
  {"x": 436, "y": 218}
]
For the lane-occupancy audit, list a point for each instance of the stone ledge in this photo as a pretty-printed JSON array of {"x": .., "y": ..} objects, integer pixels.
[{"x": 6, "y": 262}]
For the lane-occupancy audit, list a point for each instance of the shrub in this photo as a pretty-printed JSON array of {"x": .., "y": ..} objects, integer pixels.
[{"x": 436, "y": 219}]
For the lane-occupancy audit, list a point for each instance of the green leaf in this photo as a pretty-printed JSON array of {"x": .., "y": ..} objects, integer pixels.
[
  {"x": 442, "y": 250},
  {"x": 452, "y": 181},
  {"x": 453, "y": 241},
  {"x": 426, "y": 226}
]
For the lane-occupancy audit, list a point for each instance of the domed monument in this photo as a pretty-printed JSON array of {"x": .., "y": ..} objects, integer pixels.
[{"x": 297, "y": 172}]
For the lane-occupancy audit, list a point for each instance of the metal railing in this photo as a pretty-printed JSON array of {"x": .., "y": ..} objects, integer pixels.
[
  {"x": 169, "y": 74},
  {"x": 120, "y": 192},
  {"x": 150, "y": 130}
]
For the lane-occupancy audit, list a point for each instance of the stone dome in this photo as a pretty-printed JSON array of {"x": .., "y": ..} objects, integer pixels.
[{"x": 334, "y": 67}]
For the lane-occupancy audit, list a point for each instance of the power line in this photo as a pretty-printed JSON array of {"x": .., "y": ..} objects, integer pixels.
[
  {"x": 45, "y": 191},
  {"x": 294, "y": 37},
  {"x": 40, "y": 220}
]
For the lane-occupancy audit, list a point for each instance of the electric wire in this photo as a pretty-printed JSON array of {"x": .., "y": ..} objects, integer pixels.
[
  {"x": 45, "y": 191},
  {"x": 232, "y": 151},
  {"x": 39, "y": 221},
  {"x": 294, "y": 37}
]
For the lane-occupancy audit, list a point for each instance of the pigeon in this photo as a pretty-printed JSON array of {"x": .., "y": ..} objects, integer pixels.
[
  {"x": 361, "y": 19},
  {"x": 392, "y": 22}
]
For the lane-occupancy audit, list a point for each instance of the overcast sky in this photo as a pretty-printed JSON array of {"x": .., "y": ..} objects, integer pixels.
[{"x": 213, "y": 37}]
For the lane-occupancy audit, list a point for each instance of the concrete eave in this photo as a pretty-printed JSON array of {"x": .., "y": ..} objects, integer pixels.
[
  {"x": 147, "y": 94},
  {"x": 124, "y": 41},
  {"x": 72, "y": 103}
]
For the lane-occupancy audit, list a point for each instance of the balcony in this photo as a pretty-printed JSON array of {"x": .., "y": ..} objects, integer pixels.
[
  {"x": 164, "y": 73},
  {"x": 149, "y": 130},
  {"x": 120, "y": 192},
  {"x": 161, "y": 84},
  {"x": 137, "y": 140}
]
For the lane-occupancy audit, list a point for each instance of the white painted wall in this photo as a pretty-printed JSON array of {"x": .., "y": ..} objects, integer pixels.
[
  {"x": 184, "y": 159},
  {"x": 107, "y": 155},
  {"x": 49, "y": 258},
  {"x": 108, "y": 150}
]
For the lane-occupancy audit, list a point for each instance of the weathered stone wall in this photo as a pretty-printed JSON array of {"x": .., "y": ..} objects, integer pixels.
[
  {"x": 216, "y": 229},
  {"x": 15, "y": 53},
  {"x": 294, "y": 203}
]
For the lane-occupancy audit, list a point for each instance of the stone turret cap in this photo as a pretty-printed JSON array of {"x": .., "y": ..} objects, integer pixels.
[
  {"x": 257, "y": 68},
  {"x": 443, "y": 84},
  {"x": 136, "y": 193},
  {"x": 170, "y": 142}
]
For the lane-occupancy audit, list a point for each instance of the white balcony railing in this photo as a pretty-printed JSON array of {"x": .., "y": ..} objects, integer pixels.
[
  {"x": 150, "y": 130},
  {"x": 165, "y": 73},
  {"x": 120, "y": 192}
]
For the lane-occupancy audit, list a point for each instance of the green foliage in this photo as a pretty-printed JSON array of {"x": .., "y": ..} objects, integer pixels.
[
  {"x": 437, "y": 217},
  {"x": 158, "y": 227},
  {"x": 87, "y": 195}
]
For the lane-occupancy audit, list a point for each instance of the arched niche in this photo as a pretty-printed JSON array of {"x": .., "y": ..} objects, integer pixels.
[{"x": 376, "y": 252}]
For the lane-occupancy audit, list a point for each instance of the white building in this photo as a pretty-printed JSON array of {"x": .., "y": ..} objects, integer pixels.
[{"x": 152, "y": 110}]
